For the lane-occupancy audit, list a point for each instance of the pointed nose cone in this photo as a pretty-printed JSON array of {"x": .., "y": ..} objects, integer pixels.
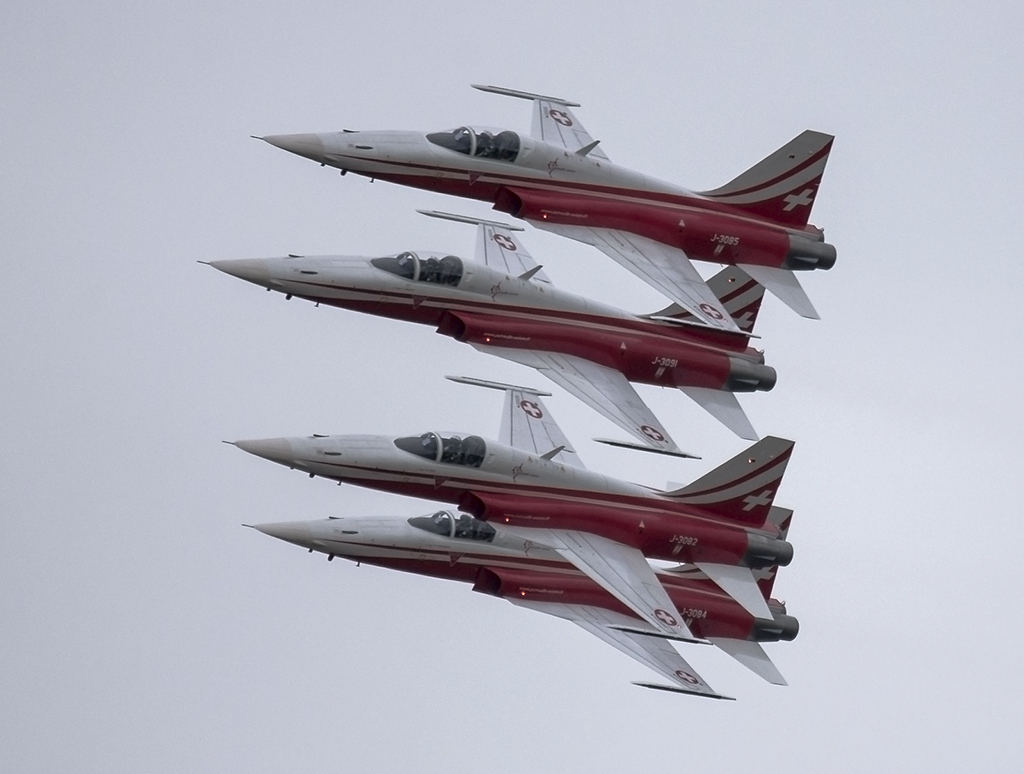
[
  {"x": 250, "y": 269},
  {"x": 296, "y": 532},
  {"x": 273, "y": 449},
  {"x": 309, "y": 146}
]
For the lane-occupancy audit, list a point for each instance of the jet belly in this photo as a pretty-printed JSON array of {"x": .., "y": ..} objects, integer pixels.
[{"x": 648, "y": 358}]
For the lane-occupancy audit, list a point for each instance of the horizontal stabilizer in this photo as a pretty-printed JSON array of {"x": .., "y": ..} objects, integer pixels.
[
  {"x": 724, "y": 407},
  {"x": 752, "y": 656},
  {"x": 786, "y": 287},
  {"x": 738, "y": 583},
  {"x": 677, "y": 689}
]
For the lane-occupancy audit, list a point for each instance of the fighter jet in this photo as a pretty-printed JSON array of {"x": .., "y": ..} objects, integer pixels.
[
  {"x": 459, "y": 547},
  {"x": 534, "y": 485},
  {"x": 560, "y": 179},
  {"x": 504, "y": 304}
]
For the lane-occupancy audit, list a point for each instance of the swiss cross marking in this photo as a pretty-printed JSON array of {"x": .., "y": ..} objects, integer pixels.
[
  {"x": 504, "y": 242},
  {"x": 560, "y": 117},
  {"x": 686, "y": 677},
  {"x": 531, "y": 408},
  {"x": 666, "y": 618},
  {"x": 802, "y": 199},
  {"x": 762, "y": 499},
  {"x": 652, "y": 432},
  {"x": 711, "y": 312}
]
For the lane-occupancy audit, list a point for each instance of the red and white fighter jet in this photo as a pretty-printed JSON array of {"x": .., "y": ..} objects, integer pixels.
[
  {"x": 533, "y": 485},
  {"x": 503, "y": 304},
  {"x": 560, "y": 180},
  {"x": 459, "y": 547}
]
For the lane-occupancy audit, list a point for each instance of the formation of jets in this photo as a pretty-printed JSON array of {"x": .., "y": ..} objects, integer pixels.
[{"x": 522, "y": 518}]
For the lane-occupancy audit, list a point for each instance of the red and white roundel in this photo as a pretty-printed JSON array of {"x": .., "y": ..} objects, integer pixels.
[
  {"x": 504, "y": 242},
  {"x": 666, "y": 617},
  {"x": 686, "y": 677},
  {"x": 652, "y": 433},
  {"x": 711, "y": 312},
  {"x": 560, "y": 117},
  {"x": 531, "y": 408}
]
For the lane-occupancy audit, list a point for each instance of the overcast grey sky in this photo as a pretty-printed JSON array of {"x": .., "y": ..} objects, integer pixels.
[{"x": 143, "y": 629}]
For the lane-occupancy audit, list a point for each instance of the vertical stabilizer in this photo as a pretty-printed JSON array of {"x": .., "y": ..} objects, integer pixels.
[
  {"x": 743, "y": 489},
  {"x": 783, "y": 186}
]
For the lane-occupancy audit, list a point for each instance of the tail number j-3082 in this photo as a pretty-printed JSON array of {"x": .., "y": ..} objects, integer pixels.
[{"x": 681, "y": 541}]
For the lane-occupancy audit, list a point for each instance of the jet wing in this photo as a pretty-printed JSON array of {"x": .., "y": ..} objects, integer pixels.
[
  {"x": 620, "y": 570},
  {"x": 527, "y": 424},
  {"x": 666, "y": 268},
  {"x": 654, "y": 652},
  {"x": 554, "y": 122},
  {"x": 605, "y": 390},
  {"x": 497, "y": 246}
]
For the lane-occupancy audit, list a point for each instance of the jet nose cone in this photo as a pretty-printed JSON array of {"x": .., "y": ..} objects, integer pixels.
[
  {"x": 296, "y": 532},
  {"x": 249, "y": 269},
  {"x": 273, "y": 449},
  {"x": 308, "y": 145}
]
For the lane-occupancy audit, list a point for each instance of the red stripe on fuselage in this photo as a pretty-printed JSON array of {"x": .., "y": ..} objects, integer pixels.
[{"x": 484, "y": 186}]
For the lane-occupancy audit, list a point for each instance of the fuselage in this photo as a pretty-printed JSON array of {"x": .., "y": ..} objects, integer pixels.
[
  {"x": 458, "y": 547},
  {"x": 512, "y": 487},
  {"x": 547, "y": 183},
  {"x": 487, "y": 308}
]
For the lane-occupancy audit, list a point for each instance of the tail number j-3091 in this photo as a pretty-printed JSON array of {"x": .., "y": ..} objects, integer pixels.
[{"x": 665, "y": 362}]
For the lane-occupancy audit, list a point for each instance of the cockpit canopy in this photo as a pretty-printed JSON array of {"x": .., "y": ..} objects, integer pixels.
[
  {"x": 443, "y": 271},
  {"x": 465, "y": 527},
  {"x": 454, "y": 450},
  {"x": 482, "y": 143}
]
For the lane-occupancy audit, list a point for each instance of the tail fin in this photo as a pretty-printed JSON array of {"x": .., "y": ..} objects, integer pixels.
[
  {"x": 739, "y": 293},
  {"x": 743, "y": 489},
  {"x": 781, "y": 187}
]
